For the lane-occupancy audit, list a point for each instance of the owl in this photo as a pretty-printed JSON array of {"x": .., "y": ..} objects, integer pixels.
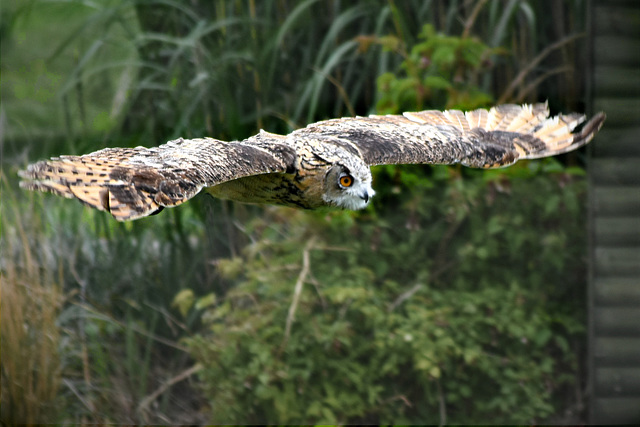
[{"x": 326, "y": 164}]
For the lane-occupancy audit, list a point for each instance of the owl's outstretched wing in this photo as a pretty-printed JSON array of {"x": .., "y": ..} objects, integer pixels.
[
  {"x": 481, "y": 138},
  {"x": 131, "y": 183}
]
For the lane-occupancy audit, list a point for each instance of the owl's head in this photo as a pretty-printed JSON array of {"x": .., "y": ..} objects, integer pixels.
[{"x": 348, "y": 187}]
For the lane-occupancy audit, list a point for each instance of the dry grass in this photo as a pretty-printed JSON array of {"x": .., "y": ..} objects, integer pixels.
[{"x": 31, "y": 300}]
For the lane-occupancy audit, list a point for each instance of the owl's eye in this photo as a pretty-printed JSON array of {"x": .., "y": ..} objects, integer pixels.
[{"x": 346, "y": 180}]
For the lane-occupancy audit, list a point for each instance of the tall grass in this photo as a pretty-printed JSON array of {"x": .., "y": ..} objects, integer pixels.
[
  {"x": 32, "y": 299},
  {"x": 148, "y": 71},
  {"x": 86, "y": 336}
]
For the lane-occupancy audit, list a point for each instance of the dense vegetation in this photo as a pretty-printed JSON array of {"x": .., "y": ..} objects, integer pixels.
[{"x": 457, "y": 297}]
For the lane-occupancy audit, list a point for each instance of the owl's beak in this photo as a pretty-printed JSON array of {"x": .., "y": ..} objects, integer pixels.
[{"x": 365, "y": 196}]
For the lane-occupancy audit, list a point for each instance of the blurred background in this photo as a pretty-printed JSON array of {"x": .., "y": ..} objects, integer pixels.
[{"x": 458, "y": 296}]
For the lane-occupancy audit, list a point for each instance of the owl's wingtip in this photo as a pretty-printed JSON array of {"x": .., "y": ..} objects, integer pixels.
[
  {"x": 586, "y": 134},
  {"x": 590, "y": 128},
  {"x": 31, "y": 171},
  {"x": 598, "y": 120}
]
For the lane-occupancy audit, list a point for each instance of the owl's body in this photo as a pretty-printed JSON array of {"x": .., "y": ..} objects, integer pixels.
[
  {"x": 269, "y": 189},
  {"x": 325, "y": 164}
]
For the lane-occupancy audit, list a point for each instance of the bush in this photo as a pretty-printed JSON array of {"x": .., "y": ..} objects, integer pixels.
[{"x": 457, "y": 306}]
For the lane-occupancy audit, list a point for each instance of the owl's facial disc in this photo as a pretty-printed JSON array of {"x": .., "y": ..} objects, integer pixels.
[{"x": 347, "y": 189}]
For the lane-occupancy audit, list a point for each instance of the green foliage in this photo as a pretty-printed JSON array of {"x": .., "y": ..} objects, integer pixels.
[
  {"x": 439, "y": 72},
  {"x": 456, "y": 297},
  {"x": 462, "y": 297}
]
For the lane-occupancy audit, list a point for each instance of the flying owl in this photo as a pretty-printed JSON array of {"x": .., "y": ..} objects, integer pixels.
[{"x": 326, "y": 164}]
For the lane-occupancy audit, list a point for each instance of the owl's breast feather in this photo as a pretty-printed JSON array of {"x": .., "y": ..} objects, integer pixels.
[{"x": 273, "y": 189}]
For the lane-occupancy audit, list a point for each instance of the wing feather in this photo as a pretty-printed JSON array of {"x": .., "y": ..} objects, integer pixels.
[
  {"x": 433, "y": 117},
  {"x": 458, "y": 119},
  {"x": 481, "y": 138},
  {"x": 131, "y": 183}
]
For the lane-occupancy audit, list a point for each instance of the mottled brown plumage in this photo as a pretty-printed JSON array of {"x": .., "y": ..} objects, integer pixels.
[{"x": 324, "y": 164}]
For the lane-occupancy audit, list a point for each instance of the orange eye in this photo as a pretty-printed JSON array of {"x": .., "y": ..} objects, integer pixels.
[{"x": 346, "y": 180}]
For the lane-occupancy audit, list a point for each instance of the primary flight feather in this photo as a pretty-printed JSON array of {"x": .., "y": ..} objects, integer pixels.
[{"x": 324, "y": 164}]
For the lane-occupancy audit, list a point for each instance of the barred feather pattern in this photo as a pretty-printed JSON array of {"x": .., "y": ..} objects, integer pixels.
[
  {"x": 293, "y": 170},
  {"x": 481, "y": 138},
  {"x": 131, "y": 183}
]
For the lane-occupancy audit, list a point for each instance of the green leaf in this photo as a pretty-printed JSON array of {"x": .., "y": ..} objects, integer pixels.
[
  {"x": 206, "y": 301},
  {"x": 437, "y": 82},
  {"x": 183, "y": 301}
]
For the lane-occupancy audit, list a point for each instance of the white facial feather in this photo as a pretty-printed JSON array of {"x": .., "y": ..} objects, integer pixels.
[{"x": 355, "y": 197}]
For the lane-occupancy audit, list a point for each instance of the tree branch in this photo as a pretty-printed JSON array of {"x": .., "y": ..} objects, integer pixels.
[
  {"x": 508, "y": 93},
  {"x": 144, "y": 405},
  {"x": 472, "y": 18},
  {"x": 297, "y": 291},
  {"x": 403, "y": 297},
  {"x": 531, "y": 86}
]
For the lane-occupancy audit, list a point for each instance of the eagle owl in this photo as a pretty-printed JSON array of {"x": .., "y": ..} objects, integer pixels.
[{"x": 324, "y": 164}]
